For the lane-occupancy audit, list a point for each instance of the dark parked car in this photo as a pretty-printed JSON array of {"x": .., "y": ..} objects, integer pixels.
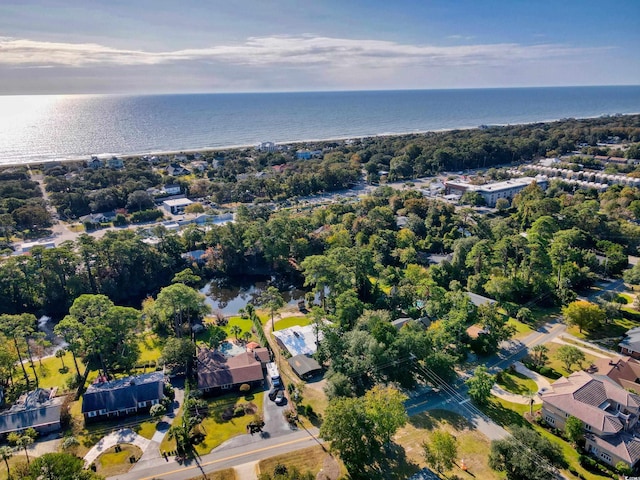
[{"x": 273, "y": 393}]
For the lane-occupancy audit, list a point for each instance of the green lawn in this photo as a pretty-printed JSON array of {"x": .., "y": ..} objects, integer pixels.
[
  {"x": 88, "y": 435},
  {"x": 472, "y": 444},
  {"x": 218, "y": 430},
  {"x": 517, "y": 383},
  {"x": 112, "y": 463},
  {"x": 50, "y": 374},
  {"x": 522, "y": 329},
  {"x": 150, "y": 347},
  {"x": 558, "y": 366},
  {"x": 215, "y": 428},
  {"x": 310, "y": 459},
  {"x": 615, "y": 328},
  {"x": 287, "y": 322},
  {"x": 506, "y": 413},
  {"x": 244, "y": 323}
]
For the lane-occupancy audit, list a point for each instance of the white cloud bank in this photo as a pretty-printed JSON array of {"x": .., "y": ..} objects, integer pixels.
[{"x": 292, "y": 51}]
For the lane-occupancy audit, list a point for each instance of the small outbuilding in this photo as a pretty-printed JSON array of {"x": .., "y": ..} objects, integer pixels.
[{"x": 304, "y": 366}]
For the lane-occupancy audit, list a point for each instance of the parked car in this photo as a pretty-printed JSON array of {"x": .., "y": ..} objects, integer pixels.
[
  {"x": 273, "y": 392},
  {"x": 280, "y": 397}
]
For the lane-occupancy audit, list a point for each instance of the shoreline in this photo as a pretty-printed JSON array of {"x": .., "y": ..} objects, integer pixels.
[{"x": 83, "y": 157}]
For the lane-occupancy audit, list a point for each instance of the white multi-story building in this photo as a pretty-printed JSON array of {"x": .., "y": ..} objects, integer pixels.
[{"x": 491, "y": 192}]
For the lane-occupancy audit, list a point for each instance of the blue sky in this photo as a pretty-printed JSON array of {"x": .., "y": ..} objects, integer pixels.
[{"x": 153, "y": 46}]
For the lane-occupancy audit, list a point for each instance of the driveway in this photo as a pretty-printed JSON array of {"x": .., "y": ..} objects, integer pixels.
[{"x": 125, "y": 435}]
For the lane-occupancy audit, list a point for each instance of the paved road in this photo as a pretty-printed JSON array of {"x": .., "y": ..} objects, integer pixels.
[{"x": 222, "y": 458}]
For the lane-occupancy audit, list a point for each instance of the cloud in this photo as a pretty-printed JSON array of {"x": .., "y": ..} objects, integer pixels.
[{"x": 292, "y": 51}]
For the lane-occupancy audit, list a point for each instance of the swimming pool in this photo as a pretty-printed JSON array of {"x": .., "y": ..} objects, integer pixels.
[{"x": 229, "y": 349}]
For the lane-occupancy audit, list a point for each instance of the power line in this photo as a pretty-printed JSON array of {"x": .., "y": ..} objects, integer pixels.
[{"x": 473, "y": 410}]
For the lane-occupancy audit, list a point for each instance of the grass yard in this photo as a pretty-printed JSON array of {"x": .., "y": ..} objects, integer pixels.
[
  {"x": 112, "y": 463},
  {"x": 244, "y": 323},
  {"x": 522, "y": 329},
  {"x": 472, "y": 445},
  {"x": 615, "y": 328},
  {"x": 226, "y": 474},
  {"x": 215, "y": 428},
  {"x": 312, "y": 459},
  {"x": 515, "y": 382},
  {"x": 287, "y": 322},
  {"x": 150, "y": 348},
  {"x": 506, "y": 413},
  {"x": 51, "y": 374},
  {"x": 18, "y": 461},
  {"x": 558, "y": 366},
  {"x": 89, "y": 435}
]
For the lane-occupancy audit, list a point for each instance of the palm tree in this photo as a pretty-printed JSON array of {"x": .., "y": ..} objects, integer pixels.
[
  {"x": 246, "y": 336},
  {"x": 60, "y": 354},
  {"x": 6, "y": 453},
  {"x": 235, "y": 330},
  {"x": 24, "y": 442}
]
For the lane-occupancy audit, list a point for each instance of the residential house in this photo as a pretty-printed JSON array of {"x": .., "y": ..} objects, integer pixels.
[
  {"x": 180, "y": 157},
  {"x": 95, "y": 162},
  {"x": 630, "y": 344},
  {"x": 124, "y": 396},
  {"x": 198, "y": 165},
  {"x": 262, "y": 355},
  {"x": 177, "y": 170},
  {"x": 625, "y": 371},
  {"x": 267, "y": 147},
  {"x": 217, "y": 373},
  {"x": 608, "y": 412},
  {"x": 172, "y": 189},
  {"x": 38, "y": 409},
  {"x": 115, "y": 162},
  {"x": 95, "y": 218},
  {"x": 304, "y": 366},
  {"x": 479, "y": 300},
  {"x": 299, "y": 340}
]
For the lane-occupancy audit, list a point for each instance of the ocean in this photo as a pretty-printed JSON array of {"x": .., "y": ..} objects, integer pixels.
[{"x": 68, "y": 127}]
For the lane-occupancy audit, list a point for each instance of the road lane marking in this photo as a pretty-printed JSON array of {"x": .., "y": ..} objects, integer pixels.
[{"x": 238, "y": 455}]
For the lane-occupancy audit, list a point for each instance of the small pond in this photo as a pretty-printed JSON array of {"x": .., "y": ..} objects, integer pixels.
[{"x": 230, "y": 298}]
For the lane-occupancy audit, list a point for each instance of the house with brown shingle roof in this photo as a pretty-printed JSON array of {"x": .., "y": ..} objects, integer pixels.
[
  {"x": 217, "y": 373},
  {"x": 625, "y": 371},
  {"x": 608, "y": 412}
]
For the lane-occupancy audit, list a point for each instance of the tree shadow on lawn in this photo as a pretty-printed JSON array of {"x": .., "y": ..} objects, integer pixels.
[
  {"x": 392, "y": 464},
  {"x": 503, "y": 416},
  {"x": 509, "y": 383},
  {"x": 434, "y": 418}
]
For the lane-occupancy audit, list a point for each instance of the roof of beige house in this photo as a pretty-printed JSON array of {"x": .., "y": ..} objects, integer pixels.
[
  {"x": 589, "y": 398},
  {"x": 623, "y": 445}
]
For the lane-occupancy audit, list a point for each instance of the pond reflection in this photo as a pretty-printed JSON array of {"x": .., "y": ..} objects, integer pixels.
[{"x": 229, "y": 298}]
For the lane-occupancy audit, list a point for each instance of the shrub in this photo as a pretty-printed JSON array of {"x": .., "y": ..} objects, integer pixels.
[
  {"x": 146, "y": 216},
  {"x": 169, "y": 392},
  {"x": 245, "y": 387},
  {"x": 238, "y": 411}
]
